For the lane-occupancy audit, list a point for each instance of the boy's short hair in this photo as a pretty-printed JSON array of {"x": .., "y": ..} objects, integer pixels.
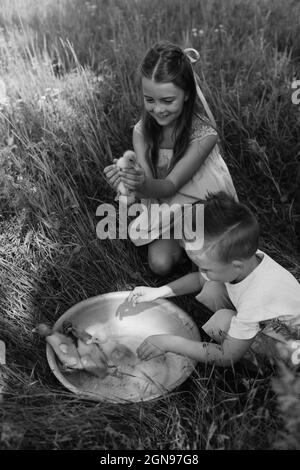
[{"x": 230, "y": 228}]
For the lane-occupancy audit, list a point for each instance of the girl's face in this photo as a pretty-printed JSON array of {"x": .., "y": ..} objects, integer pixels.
[{"x": 163, "y": 101}]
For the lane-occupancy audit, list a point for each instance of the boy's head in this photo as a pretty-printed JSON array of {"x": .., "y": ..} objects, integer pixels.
[{"x": 231, "y": 234}]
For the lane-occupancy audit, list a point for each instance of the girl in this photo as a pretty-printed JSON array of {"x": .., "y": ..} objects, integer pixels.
[{"x": 175, "y": 146}]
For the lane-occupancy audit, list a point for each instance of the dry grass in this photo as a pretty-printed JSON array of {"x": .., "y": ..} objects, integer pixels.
[{"x": 72, "y": 98}]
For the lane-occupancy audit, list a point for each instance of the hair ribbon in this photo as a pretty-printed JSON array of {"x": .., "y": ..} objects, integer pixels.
[{"x": 193, "y": 56}]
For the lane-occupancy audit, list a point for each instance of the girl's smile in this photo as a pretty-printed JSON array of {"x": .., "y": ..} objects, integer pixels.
[{"x": 163, "y": 101}]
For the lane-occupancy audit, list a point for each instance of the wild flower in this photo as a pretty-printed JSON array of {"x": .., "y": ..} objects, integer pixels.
[
  {"x": 41, "y": 102},
  {"x": 220, "y": 29},
  {"x": 3, "y": 94},
  {"x": 91, "y": 7},
  {"x": 197, "y": 32},
  {"x": 51, "y": 95},
  {"x": 10, "y": 141},
  {"x": 99, "y": 79}
]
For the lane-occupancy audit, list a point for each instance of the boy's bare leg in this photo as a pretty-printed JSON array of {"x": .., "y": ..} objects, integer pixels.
[
  {"x": 214, "y": 296},
  {"x": 218, "y": 325}
]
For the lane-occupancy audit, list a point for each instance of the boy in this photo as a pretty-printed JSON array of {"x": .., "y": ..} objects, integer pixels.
[{"x": 245, "y": 288}]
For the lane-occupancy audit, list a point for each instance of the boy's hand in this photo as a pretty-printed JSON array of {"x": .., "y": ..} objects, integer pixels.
[
  {"x": 113, "y": 174},
  {"x": 133, "y": 178},
  {"x": 151, "y": 347},
  {"x": 143, "y": 294}
]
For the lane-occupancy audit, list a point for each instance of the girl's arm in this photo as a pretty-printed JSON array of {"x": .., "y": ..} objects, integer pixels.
[
  {"x": 140, "y": 151},
  {"x": 230, "y": 351},
  {"x": 183, "y": 171}
]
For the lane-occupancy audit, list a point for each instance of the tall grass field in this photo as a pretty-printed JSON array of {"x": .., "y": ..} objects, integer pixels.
[{"x": 69, "y": 97}]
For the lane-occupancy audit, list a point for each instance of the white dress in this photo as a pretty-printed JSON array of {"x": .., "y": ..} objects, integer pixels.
[{"x": 212, "y": 176}]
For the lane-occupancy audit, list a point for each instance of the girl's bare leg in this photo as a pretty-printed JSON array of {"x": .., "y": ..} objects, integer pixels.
[{"x": 163, "y": 255}]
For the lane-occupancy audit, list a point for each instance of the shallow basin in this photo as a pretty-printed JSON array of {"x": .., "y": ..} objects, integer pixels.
[{"x": 112, "y": 319}]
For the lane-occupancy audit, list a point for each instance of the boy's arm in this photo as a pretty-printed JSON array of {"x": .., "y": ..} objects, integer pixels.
[
  {"x": 224, "y": 355},
  {"x": 184, "y": 285}
]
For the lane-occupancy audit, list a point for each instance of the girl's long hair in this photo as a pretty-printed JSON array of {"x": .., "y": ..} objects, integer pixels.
[{"x": 167, "y": 63}]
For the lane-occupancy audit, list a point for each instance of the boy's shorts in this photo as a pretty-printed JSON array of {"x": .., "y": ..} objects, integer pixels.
[{"x": 274, "y": 341}]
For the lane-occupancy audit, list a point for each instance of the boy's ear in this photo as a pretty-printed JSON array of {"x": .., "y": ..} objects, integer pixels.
[
  {"x": 237, "y": 264},
  {"x": 186, "y": 96}
]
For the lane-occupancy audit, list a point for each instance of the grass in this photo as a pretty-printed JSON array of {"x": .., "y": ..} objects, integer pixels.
[{"x": 71, "y": 100}]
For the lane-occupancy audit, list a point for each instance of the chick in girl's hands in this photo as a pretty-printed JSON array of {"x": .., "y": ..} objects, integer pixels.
[
  {"x": 127, "y": 161},
  {"x": 126, "y": 176}
]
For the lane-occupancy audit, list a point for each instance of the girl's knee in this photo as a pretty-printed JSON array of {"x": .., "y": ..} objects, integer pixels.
[
  {"x": 160, "y": 264},
  {"x": 163, "y": 256}
]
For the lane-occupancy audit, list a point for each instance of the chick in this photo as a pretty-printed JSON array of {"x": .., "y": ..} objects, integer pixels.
[
  {"x": 122, "y": 356},
  {"x": 75, "y": 333},
  {"x": 128, "y": 160},
  {"x": 93, "y": 358},
  {"x": 63, "y": 346}
]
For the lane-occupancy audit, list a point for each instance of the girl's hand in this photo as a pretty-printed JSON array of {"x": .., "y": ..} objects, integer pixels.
[
  {"x": 133, "y": 178},
  {"x": 151, "y": 347},
  {"x": 113, "y": 174},
  {"x": 143, "y": 294}
]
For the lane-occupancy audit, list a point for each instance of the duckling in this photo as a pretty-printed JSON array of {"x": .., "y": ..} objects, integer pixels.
[
  {"x": 63, "y": 346},
  {"x": 123, "y": 358},
  {"x": 128, "y": 160},
  {"x": 92, "y": 357}
]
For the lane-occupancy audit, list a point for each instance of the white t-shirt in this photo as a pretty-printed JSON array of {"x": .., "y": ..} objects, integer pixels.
[{"x": 269, "y": 292}]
